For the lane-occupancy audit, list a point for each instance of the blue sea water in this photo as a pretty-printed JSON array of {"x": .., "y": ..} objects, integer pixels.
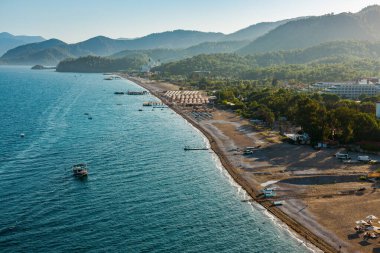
[{"x": 144, "y": 193}]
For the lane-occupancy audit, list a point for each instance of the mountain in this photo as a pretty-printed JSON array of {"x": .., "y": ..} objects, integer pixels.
[
  {"x": 47, "y": 52},
  {"x": 172, "y": 40},
  {"x": 167, "y": 55},
  {"x": 96, "y": 64},
  {"x": 255, "y": 31},
  {"x": 329, "y": 52},
  {"x": 103, "y": 46},
  {"x": 9, "y": 41},
  {"x": 303, "y": 33},
  {"x": 217, "y": 64},
  {"x": 286, "y": 35},
  {"x": 324, "y": 59}
]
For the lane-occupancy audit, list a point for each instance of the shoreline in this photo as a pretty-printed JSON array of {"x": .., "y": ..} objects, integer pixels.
[{"x": 299, "y": 229}]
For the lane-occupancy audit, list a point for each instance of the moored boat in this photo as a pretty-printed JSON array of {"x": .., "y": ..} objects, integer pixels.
[{"x": 80, "y": 170}]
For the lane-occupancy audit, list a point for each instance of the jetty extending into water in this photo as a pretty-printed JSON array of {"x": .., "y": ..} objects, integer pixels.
[
  {"x": 188, "y": 148},
  {"x": 154, "y": 104},
  {"x": 144, "y": 92}
]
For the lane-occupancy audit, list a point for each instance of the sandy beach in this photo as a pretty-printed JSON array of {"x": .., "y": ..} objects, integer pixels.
[{"x": 320, "y": 193}]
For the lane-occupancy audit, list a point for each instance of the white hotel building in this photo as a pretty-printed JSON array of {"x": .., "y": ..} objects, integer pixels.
[{"x": 368, "y": 86}]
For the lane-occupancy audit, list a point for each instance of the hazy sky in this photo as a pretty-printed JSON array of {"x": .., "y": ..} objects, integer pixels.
[{"x": 77, "y": 20}]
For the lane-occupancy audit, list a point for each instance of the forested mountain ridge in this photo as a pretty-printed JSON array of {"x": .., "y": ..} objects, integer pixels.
[
  {"x": 96, "y": 64},
  {"x": 303, "y": 33},
  {"x": 103, "y": 46},
  {"x": 173, "y": 43},
  {"x": 168, "y": 55},
  {"x": 44, "y": 53},
  {"x": 333, "y": 61}
]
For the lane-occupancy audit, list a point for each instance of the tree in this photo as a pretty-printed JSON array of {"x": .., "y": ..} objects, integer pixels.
[
  {"x": 343, "y": 123},
  {"x": 365, "y": 127},
  {"x": 313, "y": 118}
]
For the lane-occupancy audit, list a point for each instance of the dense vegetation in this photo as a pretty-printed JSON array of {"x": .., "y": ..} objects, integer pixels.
[
  {"x": 279, "y": 66},
  {"x": 94, "y": 64},
  {"x": 333, "y": 61},
  {"x": 323, "y": 116},
  {"x": 169, "y": 55}
]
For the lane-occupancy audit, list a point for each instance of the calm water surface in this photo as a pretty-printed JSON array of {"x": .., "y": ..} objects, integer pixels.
[{"x": 143, "y": 194}]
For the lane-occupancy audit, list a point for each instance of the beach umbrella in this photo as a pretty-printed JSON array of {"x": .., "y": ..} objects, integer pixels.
[
  {"x": 375, "y": 229},
  {"x": 371, "y": 217},
  {"x": 362, "y": 222}
]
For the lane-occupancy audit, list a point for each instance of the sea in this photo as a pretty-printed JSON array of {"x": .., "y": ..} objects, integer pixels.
[{"x": 144, "y": 193}]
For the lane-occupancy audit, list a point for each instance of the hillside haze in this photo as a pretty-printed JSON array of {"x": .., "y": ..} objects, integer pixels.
[
  {"x": 51, "y": 54},
  {"x": 257, "y": 30},
  {"x": 166, "y": 46},
  {"x": 361, "y": 26},
  {"x": 9, "y": 41},
  {"x": 284, "y": 35}
]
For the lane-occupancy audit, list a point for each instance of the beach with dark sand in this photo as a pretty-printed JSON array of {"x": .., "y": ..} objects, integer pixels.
[{"x": 319, "y": 192}]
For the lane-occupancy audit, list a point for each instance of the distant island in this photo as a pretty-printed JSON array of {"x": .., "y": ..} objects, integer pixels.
[{"x": 41, "y": 67}]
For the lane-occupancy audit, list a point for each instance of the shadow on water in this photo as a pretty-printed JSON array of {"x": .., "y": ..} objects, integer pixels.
[
  {"x": 320, "y": 180},
  {"x": 80, "y": 180}
]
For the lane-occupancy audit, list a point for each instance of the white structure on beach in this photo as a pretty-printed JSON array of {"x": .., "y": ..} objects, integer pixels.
[{"x": 186, "y": 97}]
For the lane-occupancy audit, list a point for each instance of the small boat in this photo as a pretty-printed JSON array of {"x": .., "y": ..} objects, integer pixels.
[
  {"x": 89, "y": 117},
  {"x": 187, "y": 148},
  {"x": 80, "y": 170},
  {"x": 22, "y": 135},
  {"x": 144, "y": 92},
  {"x": 140, "y": 110},
  {"x": 86, "y": 113}
]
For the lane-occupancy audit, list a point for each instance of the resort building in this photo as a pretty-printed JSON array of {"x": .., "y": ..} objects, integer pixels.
[
  {"x": 351, "y": 90},
  {"x": 322, "y": 85}
]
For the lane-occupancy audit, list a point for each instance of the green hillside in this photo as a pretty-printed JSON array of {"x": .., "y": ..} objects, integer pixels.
[
  {"x": 330, "y": 52},
  {"x": 333, "y": 61},
  {"x": 97, "y": 64},
  {"x": 168, "y": 55},
  {"x": 303, "y": 33}
]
